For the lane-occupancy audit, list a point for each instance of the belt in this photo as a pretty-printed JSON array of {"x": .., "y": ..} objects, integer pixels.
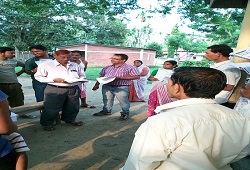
[
  {"x": 61, "y": 86},
  {"x": 117, "y": 85}
]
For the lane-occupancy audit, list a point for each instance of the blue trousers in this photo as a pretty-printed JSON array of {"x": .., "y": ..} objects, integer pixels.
[
  {"x": 57, "y": 99},
  {"x": 39, "y": 91},
  {"x": 120, "y": 92}
]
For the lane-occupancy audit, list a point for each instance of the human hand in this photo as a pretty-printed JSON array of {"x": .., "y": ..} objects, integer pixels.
[
  {"x": 95, "y": 87},
  {"x": 58, "y": 80}
]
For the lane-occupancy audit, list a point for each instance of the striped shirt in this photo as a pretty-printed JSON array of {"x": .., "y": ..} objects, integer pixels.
[
  {"x": 17, "y": 142},
  {"x": 121, "y": 71}
]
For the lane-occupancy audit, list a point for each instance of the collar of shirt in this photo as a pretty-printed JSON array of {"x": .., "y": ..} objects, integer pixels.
[
  {"x": 183, "y": 102},
  {"x": 58, "y": 64},
  {"x": 215, "y": 65}
]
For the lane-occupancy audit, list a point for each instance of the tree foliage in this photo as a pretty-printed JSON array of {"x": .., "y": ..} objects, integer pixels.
[
  {"x": 53, "y": 22},
  {"x": 156, "y": 46},
  {"x": 174, "y": 41},
  {"x": 218, "y": 25}
]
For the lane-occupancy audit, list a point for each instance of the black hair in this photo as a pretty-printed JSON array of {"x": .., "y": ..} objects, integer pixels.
[
  {"x": 123, "y": 56},
  {"x": 4, "y": 49},
  {"x": 173, "y": 62},
  {"x": 225, "y": 50},
  {"x": 39, "y": 47},
  {"x": 139, "y": 61},
  {"x": 199, "y": 82},
  {"x": 82, "y": 53}
]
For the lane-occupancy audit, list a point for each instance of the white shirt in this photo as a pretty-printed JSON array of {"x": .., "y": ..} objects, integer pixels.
[
  {"x": 48, "y": 71},
  {"x": 190, "y": 134},
  {"x": 233, "y": 76},
  {"x": 163, "y": 74}
]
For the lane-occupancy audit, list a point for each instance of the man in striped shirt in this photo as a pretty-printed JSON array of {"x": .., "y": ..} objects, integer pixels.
[{"x": 123, "y": 74}]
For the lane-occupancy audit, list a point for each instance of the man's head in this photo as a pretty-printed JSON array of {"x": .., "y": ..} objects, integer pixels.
[
  {"x": 196, "y": 82},
  {"x": 218, "y": 53},
  {"x": 76, "y": 55},
  {"x": 170, "y": 64},
  {"x": 119, "y": 59},
  {"x": 39, "y": 51},
  {"x": 7, "y": 52},
  {"x": 62, "y": 56}
]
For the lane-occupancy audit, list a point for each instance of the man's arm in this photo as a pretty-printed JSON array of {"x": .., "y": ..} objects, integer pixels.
[
  {"x": 20, "y": 64},
  {"x": 28, "y": 67},
  {"x": 147, "y": 151},
  {"x": 7, "y": 126},
  {"x": 128, "y": 78}
]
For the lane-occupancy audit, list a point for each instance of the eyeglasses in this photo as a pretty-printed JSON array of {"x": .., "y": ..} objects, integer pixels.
[{"x": 115, "y": 58}]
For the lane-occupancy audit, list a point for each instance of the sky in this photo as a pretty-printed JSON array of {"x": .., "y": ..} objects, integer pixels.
[{"x": 161, "y": 25}]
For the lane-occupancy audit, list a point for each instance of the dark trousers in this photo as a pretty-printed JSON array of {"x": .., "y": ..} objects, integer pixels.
[
  {"x": 229, "y": 105},
  {"x": 15, "y": 93},
  {"x": 39, "y": 91},
  {"x": 243, "y": 164},
  {"x": 58, "y": 99},
  {"x": 8, "y": 162}
]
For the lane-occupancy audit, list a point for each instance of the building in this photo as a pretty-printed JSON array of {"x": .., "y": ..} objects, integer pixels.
[{"x": 99, "y": 55}]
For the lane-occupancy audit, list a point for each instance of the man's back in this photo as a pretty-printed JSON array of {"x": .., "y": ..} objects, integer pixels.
[{"x": 190, "y": 134}]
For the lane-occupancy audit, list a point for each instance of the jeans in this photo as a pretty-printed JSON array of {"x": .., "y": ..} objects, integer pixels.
[
  {"x": 39, "y": 91},
  {"x": 121, "y": 93}
]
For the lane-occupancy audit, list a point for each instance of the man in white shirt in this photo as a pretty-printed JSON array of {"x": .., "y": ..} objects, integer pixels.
[
  {"x": 193, "y": 132},
  {"x": 61, "y": 95},
  {"x": 220, "y": 55}
]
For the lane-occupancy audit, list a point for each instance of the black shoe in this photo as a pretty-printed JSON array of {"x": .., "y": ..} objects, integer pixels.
[
  {"x": 124, "y": 117},
  {"x": 102, "y": 113}
]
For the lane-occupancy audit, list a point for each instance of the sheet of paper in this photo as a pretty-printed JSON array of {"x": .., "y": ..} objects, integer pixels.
[
  {"x": 245, "y": 53},
  {"x": 75, "y": 80},
  {"x": 244, "y": 66},
  {"x": 105, "y": 80},
  {"x": 13, "y": 116}
]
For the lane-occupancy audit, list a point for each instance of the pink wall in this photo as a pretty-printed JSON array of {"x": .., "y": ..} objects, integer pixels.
[{"x": 98, "y": 55}]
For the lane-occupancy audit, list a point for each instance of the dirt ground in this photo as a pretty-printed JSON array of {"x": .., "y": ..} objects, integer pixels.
[{"x": 102, "y": 143}]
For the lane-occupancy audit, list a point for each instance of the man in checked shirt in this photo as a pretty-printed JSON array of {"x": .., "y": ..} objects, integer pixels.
[{"x": 124, "y": 74}]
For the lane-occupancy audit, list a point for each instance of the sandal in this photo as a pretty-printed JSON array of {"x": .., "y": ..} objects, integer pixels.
[
  {"x": 74, "y": 123},
  {"x": 49, "y": 128},
  {"x": 88, "y": 106}
]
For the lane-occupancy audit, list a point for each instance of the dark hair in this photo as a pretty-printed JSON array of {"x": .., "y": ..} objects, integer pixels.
[
  {"x": 123, "y": 56},
  {"x": 82, "y": 53},
  {"x": 225, "y": 50},
  {"x": 199, "y": 82},
  {"x": 62, "y": 52},
  {"x": 39, "y": 47},
  {"x": 173, "y": 62},
  {"x": 139, "y": 61},
  {"x": 4, "y": 49}
]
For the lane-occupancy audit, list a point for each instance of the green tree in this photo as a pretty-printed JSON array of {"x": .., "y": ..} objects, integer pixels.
[
  {"x": 111, "y": 32},
  {"x": 219, "y": 25},
  {"x": 174, "y": 41},
  {"x": 53, "y": 22},
  {"x": 156, "y": 46}
]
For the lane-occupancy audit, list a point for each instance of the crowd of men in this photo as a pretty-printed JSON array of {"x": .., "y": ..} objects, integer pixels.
[{"x": 199, "y": 130}]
